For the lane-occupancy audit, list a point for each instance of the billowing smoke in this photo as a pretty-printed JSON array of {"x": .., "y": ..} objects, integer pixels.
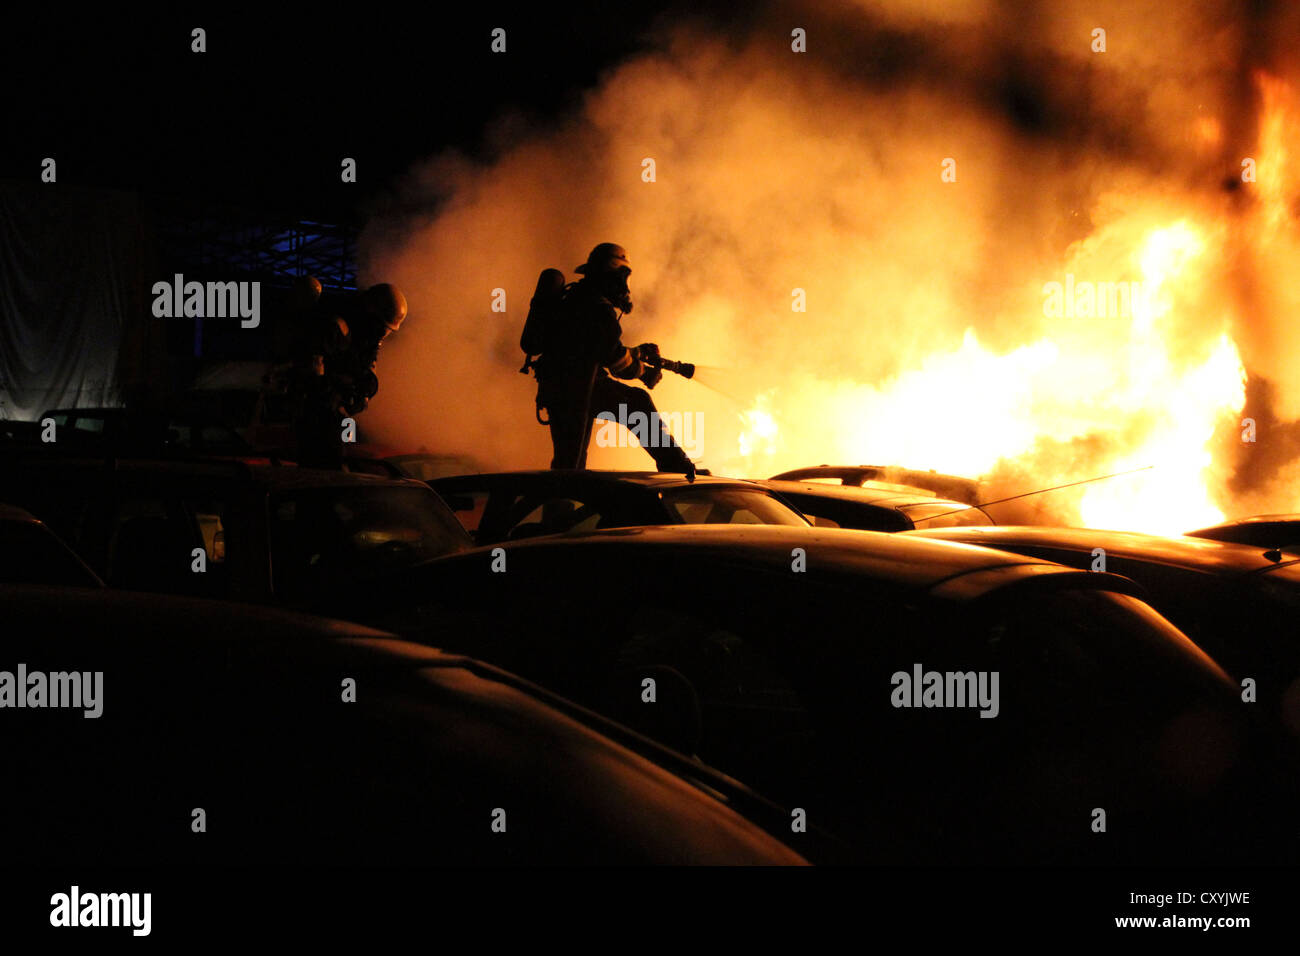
[{"x": 817, "y": 179}]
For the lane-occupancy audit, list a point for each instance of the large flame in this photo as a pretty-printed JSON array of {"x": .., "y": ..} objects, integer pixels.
[
  {"x": 965, "y": 411},
  {"x": 759, "y": 434}
]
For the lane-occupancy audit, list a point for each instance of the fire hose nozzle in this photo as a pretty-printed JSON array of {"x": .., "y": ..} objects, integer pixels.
[{"x": 684, "y": 369}]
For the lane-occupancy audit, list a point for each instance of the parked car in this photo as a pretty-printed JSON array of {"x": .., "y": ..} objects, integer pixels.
[
  {"x": 522, "y": 504},
  {"x": 1234, "y": 601},
  {"x": 874, "y": 506},
  {"x": 30, "y": 553},
  {"x": 1267, "y": 532},
  {"x": 227, "y": 734},
  {"x": 228, "y": 529},
  {"x": 774, "y": 654},
  {"x": 965, "y": 490},
  {"x": 12, "y": 430},
  {"x": 121, "y": 429}
]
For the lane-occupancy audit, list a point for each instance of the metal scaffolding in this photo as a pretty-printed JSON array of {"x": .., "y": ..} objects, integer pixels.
[{"x": 275, "y": 249}]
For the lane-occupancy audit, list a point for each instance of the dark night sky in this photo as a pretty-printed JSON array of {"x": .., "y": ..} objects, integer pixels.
[{"x": 265, "y": 116}]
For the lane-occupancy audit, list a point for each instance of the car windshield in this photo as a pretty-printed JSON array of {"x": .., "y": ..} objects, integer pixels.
[
  {"x": 704, "y": 505},
  {"x": 31, "y": 554},
  {"x": 1057, "y": 649},
  {"x": 325, "y": 537},
  {"x": 1082, "y": 637}
]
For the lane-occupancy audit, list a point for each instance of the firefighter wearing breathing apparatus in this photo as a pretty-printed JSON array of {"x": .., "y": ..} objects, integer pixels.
[
  {"x": 584, "y": 364},
  {"x": 333, "y": 375}
]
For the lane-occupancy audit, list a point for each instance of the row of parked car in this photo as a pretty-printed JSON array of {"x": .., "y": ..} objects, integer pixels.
[{"x": 635, "y": 668}]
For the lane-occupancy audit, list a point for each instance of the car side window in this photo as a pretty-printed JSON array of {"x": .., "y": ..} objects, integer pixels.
[
  {"x": 67, "y": 505},
  {"x": 552, "y": 515},
  {"x": 730, "y": 506},
  {"x": 749, "y": 720},
  {"x": 322, "y": 538},
  {"x": 467, "y": 506},
  {"x": 31, "y": 554},
  {"x": 209, "y": 515},
  {"x": 151, "y": 545},
  {"x": 831, "y": 513}
]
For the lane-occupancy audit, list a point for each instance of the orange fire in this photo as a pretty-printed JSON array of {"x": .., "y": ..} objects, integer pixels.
[{"x": 1128, "y": 376}]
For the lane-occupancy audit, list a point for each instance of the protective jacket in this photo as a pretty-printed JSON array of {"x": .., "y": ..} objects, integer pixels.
[{"x": 587, "y": 342}]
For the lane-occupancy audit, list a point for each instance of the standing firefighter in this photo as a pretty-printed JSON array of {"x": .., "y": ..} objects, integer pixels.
[
  {"x": 333, "y": 374},
  {"x": 577, "y": 333}
]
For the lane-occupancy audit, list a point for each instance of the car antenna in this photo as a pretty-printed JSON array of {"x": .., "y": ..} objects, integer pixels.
[{"x": 984, "y": 504}]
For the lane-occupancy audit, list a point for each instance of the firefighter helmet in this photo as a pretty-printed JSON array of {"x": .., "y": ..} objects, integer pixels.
[
  {"x": 305, "y": 293},
  {"x": 605, "y": 258},
  {"x": 387, "y": 304}
]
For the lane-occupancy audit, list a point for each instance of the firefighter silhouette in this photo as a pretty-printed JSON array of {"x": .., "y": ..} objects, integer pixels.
[
  {"x": 333, "y": 374},
  {"x": 577, "y": 331}
]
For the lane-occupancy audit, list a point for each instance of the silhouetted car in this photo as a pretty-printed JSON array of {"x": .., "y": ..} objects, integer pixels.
[
  {"x": 226, "y": 734},
  {"x": 12, "y": 430},
  {"x": 965, "y": 490},
  {"x": 30, "y": 553},
  {"x": 524, "y": 504},
  {"x": 775, "y": 654},
  {"x": 122, "y": 429},
  {"x": 1266, "y": 532},
  {"x": 874, "y": 507},
  {"x": 262, "y": 534},
  {"x": 1232, "y": 600}
]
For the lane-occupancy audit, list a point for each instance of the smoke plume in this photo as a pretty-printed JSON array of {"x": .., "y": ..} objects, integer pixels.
[{"x": 925, "y": 341}]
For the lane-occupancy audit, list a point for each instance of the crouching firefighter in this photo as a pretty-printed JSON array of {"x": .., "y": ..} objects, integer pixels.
[
  {"x": 576, "y": 331},
  {"x": 333, "y": 374}
]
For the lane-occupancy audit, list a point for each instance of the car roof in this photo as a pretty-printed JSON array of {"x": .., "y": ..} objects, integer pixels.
[
  {"x": 905, "y": 561},
  {"x": 641, "y": 479},
  {"x": 279, "y": 478},
  {"x": 1253, "y": 519},
  {"x": 924, "y": 482},
  {"x": 1202, "y": 554},
  {"x": 876, "y": 493},
  {"x": 86, "y": 412}
]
